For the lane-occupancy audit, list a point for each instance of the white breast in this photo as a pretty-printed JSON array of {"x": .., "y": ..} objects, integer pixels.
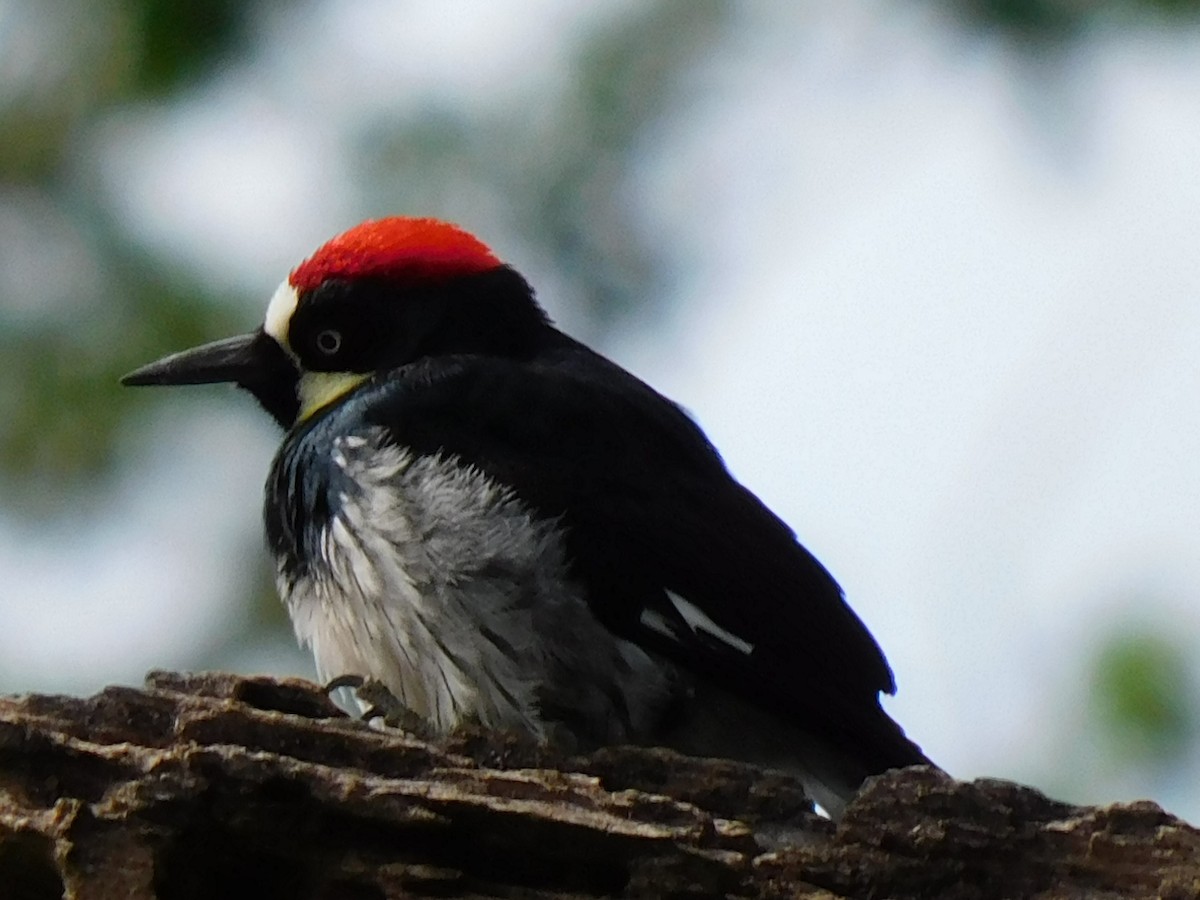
[{"x": 441, "y": 584}]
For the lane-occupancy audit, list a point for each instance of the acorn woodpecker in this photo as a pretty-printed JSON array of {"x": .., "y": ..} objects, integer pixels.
[{"x": 500, "y": 525}]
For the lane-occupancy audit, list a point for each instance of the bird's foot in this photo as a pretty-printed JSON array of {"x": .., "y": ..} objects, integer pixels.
[
  {"x": 378, "y": 702},
  {"x": 343, "y": 681}
]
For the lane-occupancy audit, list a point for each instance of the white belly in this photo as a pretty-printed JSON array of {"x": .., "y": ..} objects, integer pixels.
[{"x": 440, "y": 584}]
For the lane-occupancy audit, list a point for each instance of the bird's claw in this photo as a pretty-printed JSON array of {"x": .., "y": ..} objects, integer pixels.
[
  {"x": 344, "y": 681},
  {"x": 379, "y": 702}
]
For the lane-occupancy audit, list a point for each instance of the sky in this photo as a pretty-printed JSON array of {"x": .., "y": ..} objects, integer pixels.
[{"x": 938, "y": 304}]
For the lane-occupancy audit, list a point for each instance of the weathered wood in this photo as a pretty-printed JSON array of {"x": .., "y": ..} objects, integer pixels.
[{"x": 215, "y": 785}]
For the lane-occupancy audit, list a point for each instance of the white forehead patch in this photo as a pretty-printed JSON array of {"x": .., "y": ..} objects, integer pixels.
[{"x": 279, "y": 313}]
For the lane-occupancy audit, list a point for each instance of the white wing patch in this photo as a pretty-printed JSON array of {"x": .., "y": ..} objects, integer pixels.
[
  {"x": 656, "y": 622},
  {"x": 698, "y": 621}
]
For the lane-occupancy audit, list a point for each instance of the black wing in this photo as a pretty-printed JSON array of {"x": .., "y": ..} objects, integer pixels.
[{"x": 675, "y": 554}]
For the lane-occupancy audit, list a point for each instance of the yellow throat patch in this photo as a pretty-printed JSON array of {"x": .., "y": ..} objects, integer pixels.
[{"x": 316, "y": 390}]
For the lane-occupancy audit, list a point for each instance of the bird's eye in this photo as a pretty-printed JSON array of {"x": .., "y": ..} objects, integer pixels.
[{"x": 329, "y": 341}]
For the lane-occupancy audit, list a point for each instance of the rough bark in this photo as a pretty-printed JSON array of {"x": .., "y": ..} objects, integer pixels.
[{"x": 211, "y": 786}]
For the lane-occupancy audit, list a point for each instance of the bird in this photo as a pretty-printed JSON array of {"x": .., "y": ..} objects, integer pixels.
[{"x": 501, "y": 526}]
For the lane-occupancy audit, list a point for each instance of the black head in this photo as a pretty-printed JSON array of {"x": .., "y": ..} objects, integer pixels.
[{"x": 375, "y": 298}]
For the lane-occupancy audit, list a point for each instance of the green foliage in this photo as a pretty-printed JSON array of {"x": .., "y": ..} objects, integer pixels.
[
  {"x": 1029, "y": 19},
  {"x": 182, "y": 40},
  {"x": 60, "y": 400},
  {"x": 1039, "y": 22},
  {"x": 1143, "y": 697}
]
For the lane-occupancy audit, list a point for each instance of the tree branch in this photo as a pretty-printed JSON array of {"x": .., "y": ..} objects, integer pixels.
[{"x": 216, "y": 785}]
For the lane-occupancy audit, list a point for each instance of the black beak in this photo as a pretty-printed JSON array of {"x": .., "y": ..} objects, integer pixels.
[
  {"x": 232, "y": 359},
  {"x": 252, "y": 361}
]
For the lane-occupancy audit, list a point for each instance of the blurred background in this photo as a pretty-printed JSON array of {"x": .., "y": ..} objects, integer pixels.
[{"x": 927, "y": 272}]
